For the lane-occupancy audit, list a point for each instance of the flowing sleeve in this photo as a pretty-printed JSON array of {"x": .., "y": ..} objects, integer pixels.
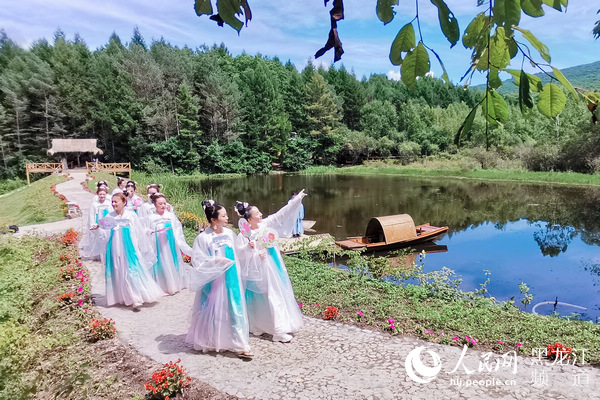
[
  {"x": 92, "y": 216},
  {"x": 283, "y": 221},
  {"x": 140, "y": 236},
  {"x": 179, "y": 236},
  {"x": 206, "y": 267},
  {"x": 249, "y": 259}
]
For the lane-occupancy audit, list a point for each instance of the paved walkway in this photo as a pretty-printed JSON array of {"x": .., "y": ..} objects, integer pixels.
[{"x": 329, "y": 360}]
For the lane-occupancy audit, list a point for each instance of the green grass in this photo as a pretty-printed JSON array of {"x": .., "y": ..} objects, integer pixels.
[
  {"x": 33, "y": 204},
  {"x": 452, "y": 170},
  {"x": 7, "y": 186},
  {"x": 417, "y": 309}
]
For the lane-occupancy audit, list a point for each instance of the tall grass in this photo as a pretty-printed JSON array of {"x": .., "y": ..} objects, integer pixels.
[{"x": 33, "y": 204}]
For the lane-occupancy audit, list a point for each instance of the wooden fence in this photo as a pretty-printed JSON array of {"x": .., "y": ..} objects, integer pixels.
[
  {"x": 42, "y": 167},
  {"x": 109, "y": 167}
]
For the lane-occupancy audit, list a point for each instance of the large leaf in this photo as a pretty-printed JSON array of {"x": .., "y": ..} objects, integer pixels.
[
  {"x": 556, "y": 4},
  {"x": 507, "y": 12},
  {"x": 540, "y": 47},
  {"x": 551, "y": 100},
  {"x": 203, "y": 7},
  {"x": 535, "y": 83},
  {"x": 466, "y": 126},
  {"x": 525, "y": 98},
  {"x": 499, "y": 53},
  {"x": 533, "y": 8},
  {"x": 415, "y": 64},
  {"x": 494, "y": 107},
  {"x": 448, "y": 22},
  {"x": 227, "y": 10},
  {"x": 404, "y": 42},
  {"x": 476, "y": 29},
  {"x": 494, "y": 80},
  {"x": 385, "y": 12},
  {"x": 565, "y": 82}
]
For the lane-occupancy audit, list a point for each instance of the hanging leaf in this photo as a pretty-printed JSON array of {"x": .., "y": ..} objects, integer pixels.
[
  {"x": 556, "y": 4},
  {"x": 533, "y": 8},
  {"x": 385, "y": 12},
  {"x": 227, "y": 9},
  {"x": 494, "y": 80},
  {"x": 475, "y": 31},
  {"x": 466, "y": 126},
  {"x": 499, "y": 54},
  {"x": 203, "y": 7},
  {"x": 525, "y": 98},
  {"x": 535, "y": 83},
  {"x": 448, "y": 22},
  {"x": 415, "y": 64},
  {"x": 404, "y": 42},
  {"x": 565, "y": 82},
  {"x": 551, "y": 100},
  {"x": 494, "y": 107},
  {"x": 507, "y": 12},
  {"x": 539, "y": 46}
]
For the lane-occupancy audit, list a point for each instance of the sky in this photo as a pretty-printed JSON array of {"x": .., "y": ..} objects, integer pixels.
[{"x": 295, "y": 30}]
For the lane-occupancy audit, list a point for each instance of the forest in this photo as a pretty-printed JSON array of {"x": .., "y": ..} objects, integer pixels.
[{"x": 184, "y": 110}]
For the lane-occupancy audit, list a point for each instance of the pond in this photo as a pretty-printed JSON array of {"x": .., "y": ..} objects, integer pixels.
[{"x": 547, "y": 236}]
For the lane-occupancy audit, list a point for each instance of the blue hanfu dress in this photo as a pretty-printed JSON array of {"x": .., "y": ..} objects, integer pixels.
[
  {"x": 128, "y": 262},
  {"x": 93, "y": 243},
  {"x": 219, "y": 320},
  {"x": 272, "y": 306},
  {"x": 165, "y": 235}
]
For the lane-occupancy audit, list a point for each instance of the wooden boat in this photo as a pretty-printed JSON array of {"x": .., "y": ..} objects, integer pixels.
[{"x": 392, "y": 232}]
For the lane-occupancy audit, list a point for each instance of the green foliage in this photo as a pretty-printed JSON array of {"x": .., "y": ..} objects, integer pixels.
[{"x": 34, "y": 203}]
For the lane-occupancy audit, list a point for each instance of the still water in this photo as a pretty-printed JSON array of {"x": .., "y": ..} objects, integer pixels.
[{"x": 547, "y": 236}]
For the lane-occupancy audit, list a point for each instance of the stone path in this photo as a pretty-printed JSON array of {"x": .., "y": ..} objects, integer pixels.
[{"x": 329, "y": 360}]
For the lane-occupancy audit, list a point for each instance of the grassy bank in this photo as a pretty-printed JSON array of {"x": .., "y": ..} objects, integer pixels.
[
  {"x": 439, "y": 169},
  {"x": 33, "y": 204},
  {"x": 47, "y": 347},
  {"x": 435, "y": 311}
]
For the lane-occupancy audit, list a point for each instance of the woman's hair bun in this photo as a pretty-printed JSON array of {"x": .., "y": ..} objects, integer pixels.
[
  {"x": 243, "y": 209},
  {"x": 207, "y": 204}
]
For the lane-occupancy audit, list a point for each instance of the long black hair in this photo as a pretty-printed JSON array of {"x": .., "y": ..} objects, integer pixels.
[{"x": 211, "y": 209}]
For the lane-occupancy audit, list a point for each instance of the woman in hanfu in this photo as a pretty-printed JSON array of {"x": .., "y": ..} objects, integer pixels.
[
  {"x": 166, "y": 237},
  {"x": 93, "y": 244},
  {"x": 121, "y": 182},
  {"x": 272, "y": 306},
  {"x": 148, "y": 207},
  {"x": 134, "y": 202},
  {"x": 128, "y": 260},
  {"x": 219, "y": 319}
]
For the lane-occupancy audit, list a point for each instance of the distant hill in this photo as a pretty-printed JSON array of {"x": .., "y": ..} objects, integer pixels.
[{"x": 586, "y": 76}]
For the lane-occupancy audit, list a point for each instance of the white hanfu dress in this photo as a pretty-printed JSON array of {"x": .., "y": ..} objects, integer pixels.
[
  {"x": 272, "y": 306},
  {"x": 128, "y": 262},
  {"x": 165, "y": 235},
  {"x": 219, "y": 320},
  {"x": 93, "y": 243}
]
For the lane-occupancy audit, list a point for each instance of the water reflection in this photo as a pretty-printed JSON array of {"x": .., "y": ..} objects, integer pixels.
[{"x": 546, "y": 236}]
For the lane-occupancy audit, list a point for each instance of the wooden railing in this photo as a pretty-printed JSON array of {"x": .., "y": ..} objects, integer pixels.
[
  {"x": 42, "y": 167},
  {"x": 110, "y": 167}
]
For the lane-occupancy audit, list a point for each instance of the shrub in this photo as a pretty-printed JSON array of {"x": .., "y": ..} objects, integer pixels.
[
  {"x": 170, "y": 380},
  {"x": 102, "y": 329}
]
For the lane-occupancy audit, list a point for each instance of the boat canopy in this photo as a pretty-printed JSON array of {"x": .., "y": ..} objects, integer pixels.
[{"x": 391, "y": 229}]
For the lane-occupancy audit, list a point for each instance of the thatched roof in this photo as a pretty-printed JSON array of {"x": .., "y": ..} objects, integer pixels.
[{"x": 74, "y": 146}]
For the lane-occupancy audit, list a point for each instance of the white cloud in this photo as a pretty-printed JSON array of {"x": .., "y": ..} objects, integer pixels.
[{"x": 394, "y": 74}]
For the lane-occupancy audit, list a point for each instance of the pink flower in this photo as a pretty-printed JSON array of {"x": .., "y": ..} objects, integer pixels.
[
  {"x": 392, "y": 327},
  {"x": 300, "y": 304},
  {"x": 519, "y": 345},
  {"x": 360, "y": 314},
  {"x": 500, "y": 342},
  {"x": 390, "y": 320},
  {"x": 455, "y": 338},
  {"x": 79, "y": 303},
  {"x": 80, "y": 289},
  {"x": 473, "y": 341}
]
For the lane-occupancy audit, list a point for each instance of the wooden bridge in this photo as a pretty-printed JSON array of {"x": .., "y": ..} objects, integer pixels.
[{"x": 109, "y": 167}]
